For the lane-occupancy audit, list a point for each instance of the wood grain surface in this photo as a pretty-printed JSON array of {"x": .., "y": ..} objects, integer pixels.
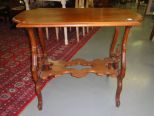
[{"x": 53, "y": 17}]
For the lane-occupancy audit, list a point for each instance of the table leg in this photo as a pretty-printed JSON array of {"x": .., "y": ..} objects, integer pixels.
[
  {"x": 65, "y": 36},
  {"x": 114, "y": 41},
  {"x": 152, "y": 34},
  {"x": 115, "y": 50},
  {"x": 123, "y": 66},
  {"x": 138, "y": 4},
  {"x": 42, "y": 41},
  {"x": 63, "y": 3},
  {"x": 35, "y": 66}
]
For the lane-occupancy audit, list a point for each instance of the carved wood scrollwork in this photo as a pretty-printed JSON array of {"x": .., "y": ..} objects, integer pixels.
[
  {"x": 116, "y": 57},
  {"x": 97, "y": 66}
]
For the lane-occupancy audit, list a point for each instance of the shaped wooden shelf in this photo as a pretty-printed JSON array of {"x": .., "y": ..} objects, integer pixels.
[{"x": 98, "y": 66}]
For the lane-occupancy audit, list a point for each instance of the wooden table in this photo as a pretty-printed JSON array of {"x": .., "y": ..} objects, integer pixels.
[{"x": 114, "y": 65}]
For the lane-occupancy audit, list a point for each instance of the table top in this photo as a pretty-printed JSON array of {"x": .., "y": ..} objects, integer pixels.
[{"x": 59, "y": 17}]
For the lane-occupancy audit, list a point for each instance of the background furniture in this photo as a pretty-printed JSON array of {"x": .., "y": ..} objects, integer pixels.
[
  {"x": 10, "y": 8},
  {"x": 63, "y": 3},
  {"x": 152, "y": 34},
  {"x": 150, "y": 8},
  {"x": 83, "y": 4},
  {"x": 4, "y": 12},
  {"x": 103, "y": 3}
]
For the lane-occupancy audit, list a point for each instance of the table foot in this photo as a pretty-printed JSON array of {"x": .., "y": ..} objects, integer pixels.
[
  {"x": 118, "y": 92},
  {"x": 117, "y": 103},
  {"x": 39, "y": 95},
  {"x": 40, "y": 107}
]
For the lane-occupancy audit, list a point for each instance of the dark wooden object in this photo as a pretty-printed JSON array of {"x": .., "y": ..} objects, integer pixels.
[
  {"x": 10, "y": 8},
  {"x": 4, "y": 12},
  {"x": 152, "y": 33},
  {"x": 103, "y": 3},
  {"x": 139, "y": 3},
  {"x": 113, "y": 65}
]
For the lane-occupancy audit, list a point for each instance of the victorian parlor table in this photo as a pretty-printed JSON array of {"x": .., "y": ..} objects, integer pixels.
[{"x": 43, "y": 67}]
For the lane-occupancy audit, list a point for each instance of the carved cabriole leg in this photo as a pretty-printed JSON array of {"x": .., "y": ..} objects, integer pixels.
[
  {"x": 42, "y": 41},
  {"x": 123, "y": 66},
  {"x": 35, "y": 67},
  {"x": 39, "y": 94},
  {"x": 44, "y": 62},
  {"x": 114, "y": 41},
  {"x": 113, "y": 46}
]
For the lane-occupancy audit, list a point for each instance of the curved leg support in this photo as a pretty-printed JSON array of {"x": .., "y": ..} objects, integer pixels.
[
  {"x": 34, "y": 46},
  {"x": 123, "y": 66},
  {"x": 118, "y": 92},
  {"x": 114, "y": 41},
  {"x": 39, "y": 95},
  {"x": 42, "y": 42}
]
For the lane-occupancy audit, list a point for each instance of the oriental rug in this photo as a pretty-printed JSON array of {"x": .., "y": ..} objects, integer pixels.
[{"x": 16, "y": 85}]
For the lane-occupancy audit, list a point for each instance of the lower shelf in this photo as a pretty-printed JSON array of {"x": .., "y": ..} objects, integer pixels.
[{"x": 98, "y": 66}]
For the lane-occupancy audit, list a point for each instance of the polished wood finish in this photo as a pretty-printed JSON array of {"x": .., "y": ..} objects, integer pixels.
[
  {"x": 122, "y": 66},
  {"x": 36, "y": 79},
  {"x": 97, "y": 66},
  {"x": 113, "y": 65},
  {"x": 77, "y": 17},
  {"x": 115, "y": 39}
]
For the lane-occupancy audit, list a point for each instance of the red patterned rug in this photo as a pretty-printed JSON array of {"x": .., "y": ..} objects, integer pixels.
[{"x": 16, "y": 85}]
